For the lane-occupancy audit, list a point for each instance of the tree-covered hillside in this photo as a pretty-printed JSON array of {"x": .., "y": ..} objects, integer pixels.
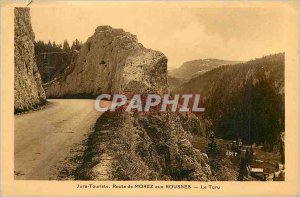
[{"x": 244, "y": 100}]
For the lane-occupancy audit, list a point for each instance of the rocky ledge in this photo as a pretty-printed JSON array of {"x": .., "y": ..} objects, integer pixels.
[{"x": 111, "y": 61}]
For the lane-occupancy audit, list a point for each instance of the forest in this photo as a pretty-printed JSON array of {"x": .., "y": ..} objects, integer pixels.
[
  {"x": 245, "y": 100},
  {"x": 53, "y": 58}
]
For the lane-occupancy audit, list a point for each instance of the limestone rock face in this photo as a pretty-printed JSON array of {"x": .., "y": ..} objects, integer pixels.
[
  {"x": 143, "y": 147},
  {"x": 28, "y": 90},
  {"x": 111, "y": 61}
]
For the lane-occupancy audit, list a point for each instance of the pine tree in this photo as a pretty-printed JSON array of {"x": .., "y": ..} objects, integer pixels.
[
  {"x": 76, "y": 45},
  {"x": 66, "y": 46},
  {"x": 49, "y": 46}
]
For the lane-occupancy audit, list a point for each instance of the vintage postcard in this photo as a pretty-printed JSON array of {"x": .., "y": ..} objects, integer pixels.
[{"x": 149, "y": 98}]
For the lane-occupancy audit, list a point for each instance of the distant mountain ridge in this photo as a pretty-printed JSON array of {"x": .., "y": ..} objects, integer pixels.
[
  {"x": 244, "y": 100},
  {"x": 194, "y": 68},
  {"x": 234, "y": 76}
]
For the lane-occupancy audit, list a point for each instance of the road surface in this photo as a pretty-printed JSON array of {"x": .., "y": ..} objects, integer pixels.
[{"x": 44, "y": 138}]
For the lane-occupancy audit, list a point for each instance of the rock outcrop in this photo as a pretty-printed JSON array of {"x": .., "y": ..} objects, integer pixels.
[
  {"x": 128, "y": 146},
  {"x": 28, "y": 90},
  {"x": 111, "y": 61},
  {"x": 142, "y": 147}
]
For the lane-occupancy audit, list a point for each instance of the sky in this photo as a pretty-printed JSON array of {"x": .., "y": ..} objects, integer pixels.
[{"x": 181, "y": 32}]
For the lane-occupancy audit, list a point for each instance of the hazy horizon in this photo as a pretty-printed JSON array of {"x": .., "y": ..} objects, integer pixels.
[{"x": 182, "y": 34}]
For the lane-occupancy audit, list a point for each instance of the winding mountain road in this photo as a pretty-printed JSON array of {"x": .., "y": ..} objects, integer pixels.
[{"x": 44, "y": 138}]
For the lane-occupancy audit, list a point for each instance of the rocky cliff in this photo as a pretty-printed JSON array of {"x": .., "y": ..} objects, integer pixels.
[
  {"x": 128, "y": 146},
  {"x": 111, "y": 61},
  {"x": 28, "y": 90}
]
